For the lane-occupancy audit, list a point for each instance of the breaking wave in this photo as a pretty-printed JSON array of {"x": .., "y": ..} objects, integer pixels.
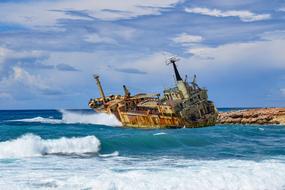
[
  {"x": 216, "y": 175},
  {"x": 40, "y": 120},
  {"x": 150, "y": 175},
  {"x": 31, "y": 145},
  {"x": 70, "y": 117}
]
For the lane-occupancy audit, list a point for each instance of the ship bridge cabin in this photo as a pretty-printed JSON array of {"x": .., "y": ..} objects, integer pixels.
[{"x": 172, "y": 94}]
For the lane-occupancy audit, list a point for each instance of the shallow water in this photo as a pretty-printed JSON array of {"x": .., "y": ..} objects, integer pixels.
[{"x": 79, "y": 149}]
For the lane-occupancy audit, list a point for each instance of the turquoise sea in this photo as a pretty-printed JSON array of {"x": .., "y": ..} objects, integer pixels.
[{"x": 79, "y": 149}]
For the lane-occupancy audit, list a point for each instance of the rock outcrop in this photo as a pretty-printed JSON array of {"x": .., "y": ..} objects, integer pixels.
[{"x": 260, "y": 116}]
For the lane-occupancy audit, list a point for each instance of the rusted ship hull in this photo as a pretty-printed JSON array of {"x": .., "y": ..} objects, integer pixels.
[
  {"x": 157, "y": 121},
  {"x": 185, "y": 105},
  {"x": 146, "y": 120}
]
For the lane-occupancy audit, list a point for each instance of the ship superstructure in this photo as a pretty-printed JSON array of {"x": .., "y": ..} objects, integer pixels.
[{"x": 185, "y": 105}]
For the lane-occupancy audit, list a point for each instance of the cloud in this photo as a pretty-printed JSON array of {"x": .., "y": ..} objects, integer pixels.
[
  {"x": 6, "y": 53},
  {"x": 9, "y": 58},
  {"x": 269, "y": 46},
  {"x": 22, "y": 76},
  {"x": 65, "y": 67},
  {"x": 243, "y": 15},
  {"x": 79, "y": 14},
  {"x": 273, "y": 35},
  {"x": 185, "y": 38},
  {"x": 31, "y": 60},
  {"x": 46, "y": 13},
  {"x": 260, "y": 53},
  {"x": 96, "y": 38},
  {"x": 25, "y": 82},
  {"x": 130, "y": 71}
]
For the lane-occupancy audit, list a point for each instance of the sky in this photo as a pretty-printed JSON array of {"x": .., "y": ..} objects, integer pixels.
[{"x": 49, "y": 50}]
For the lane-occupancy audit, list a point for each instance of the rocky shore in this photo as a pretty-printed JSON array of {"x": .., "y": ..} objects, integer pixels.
[{"x": 260, "y": 116}]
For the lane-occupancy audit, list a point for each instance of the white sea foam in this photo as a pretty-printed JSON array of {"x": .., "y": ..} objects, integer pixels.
[
  {"x": 94, "y": 118},
  {"x": 214, "y": 175},
  {"x": 116, "y": 153},
  {"x": 70, "y": 117},
  {"x": 31, "y": 145},
  {"x": 161, "y": 133},
  {"x": 40, "y": 120},
  {"x": 117, "y": 173}
]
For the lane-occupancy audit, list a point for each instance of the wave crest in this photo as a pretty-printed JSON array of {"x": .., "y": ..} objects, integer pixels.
[
  {"x": 31, "y": 145},
  {"x": 40, "y": 120},
  {"x": 94, "y": 118},
  {"x": 71, "y": 117}
]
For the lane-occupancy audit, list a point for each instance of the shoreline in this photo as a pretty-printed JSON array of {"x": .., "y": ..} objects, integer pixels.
[{"x": 258, "y": 116}]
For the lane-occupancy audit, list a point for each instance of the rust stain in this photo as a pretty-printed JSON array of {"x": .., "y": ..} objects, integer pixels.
[{"x": 185, "y": 105}]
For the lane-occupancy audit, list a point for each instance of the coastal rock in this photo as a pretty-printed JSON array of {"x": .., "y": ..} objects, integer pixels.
[{"x": 260, "y": 116}]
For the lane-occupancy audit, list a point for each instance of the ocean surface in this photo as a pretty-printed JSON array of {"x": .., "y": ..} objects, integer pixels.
[{"x": 78, "y": 149}]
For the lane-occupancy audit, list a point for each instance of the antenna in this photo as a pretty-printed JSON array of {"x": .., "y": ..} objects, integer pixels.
[
  {"x": 127, "y": 92},
  {"x": 194, "y": 83},
  {"x": 186, "y": 78},
  {"x": 194, "y": 79}
]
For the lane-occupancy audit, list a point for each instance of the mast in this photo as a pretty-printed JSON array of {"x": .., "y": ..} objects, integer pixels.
[
  {"x": 96, "y": 77},
  {"x": 181, "y": 85},
  {"x": 127, "y": 92},
  {"x": 177, "y": 75}
]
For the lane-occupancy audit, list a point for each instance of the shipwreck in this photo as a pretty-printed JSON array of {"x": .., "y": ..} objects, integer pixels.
[{"x": 185, "y": 105}]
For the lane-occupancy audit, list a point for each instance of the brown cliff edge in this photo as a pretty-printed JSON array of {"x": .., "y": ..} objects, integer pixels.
[{"x": 261, "y": 116}]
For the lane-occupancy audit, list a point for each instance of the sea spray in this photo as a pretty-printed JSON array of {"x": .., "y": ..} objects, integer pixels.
[
  {"x": 39, "y": 120},
  {"x": 31, "y": 145},
  {"x": 73, "y": 117},
  {"x": 89, "y": 118}
]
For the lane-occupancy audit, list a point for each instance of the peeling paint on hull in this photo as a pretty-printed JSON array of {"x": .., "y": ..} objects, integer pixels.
[{"x": 158, "y": 121}]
